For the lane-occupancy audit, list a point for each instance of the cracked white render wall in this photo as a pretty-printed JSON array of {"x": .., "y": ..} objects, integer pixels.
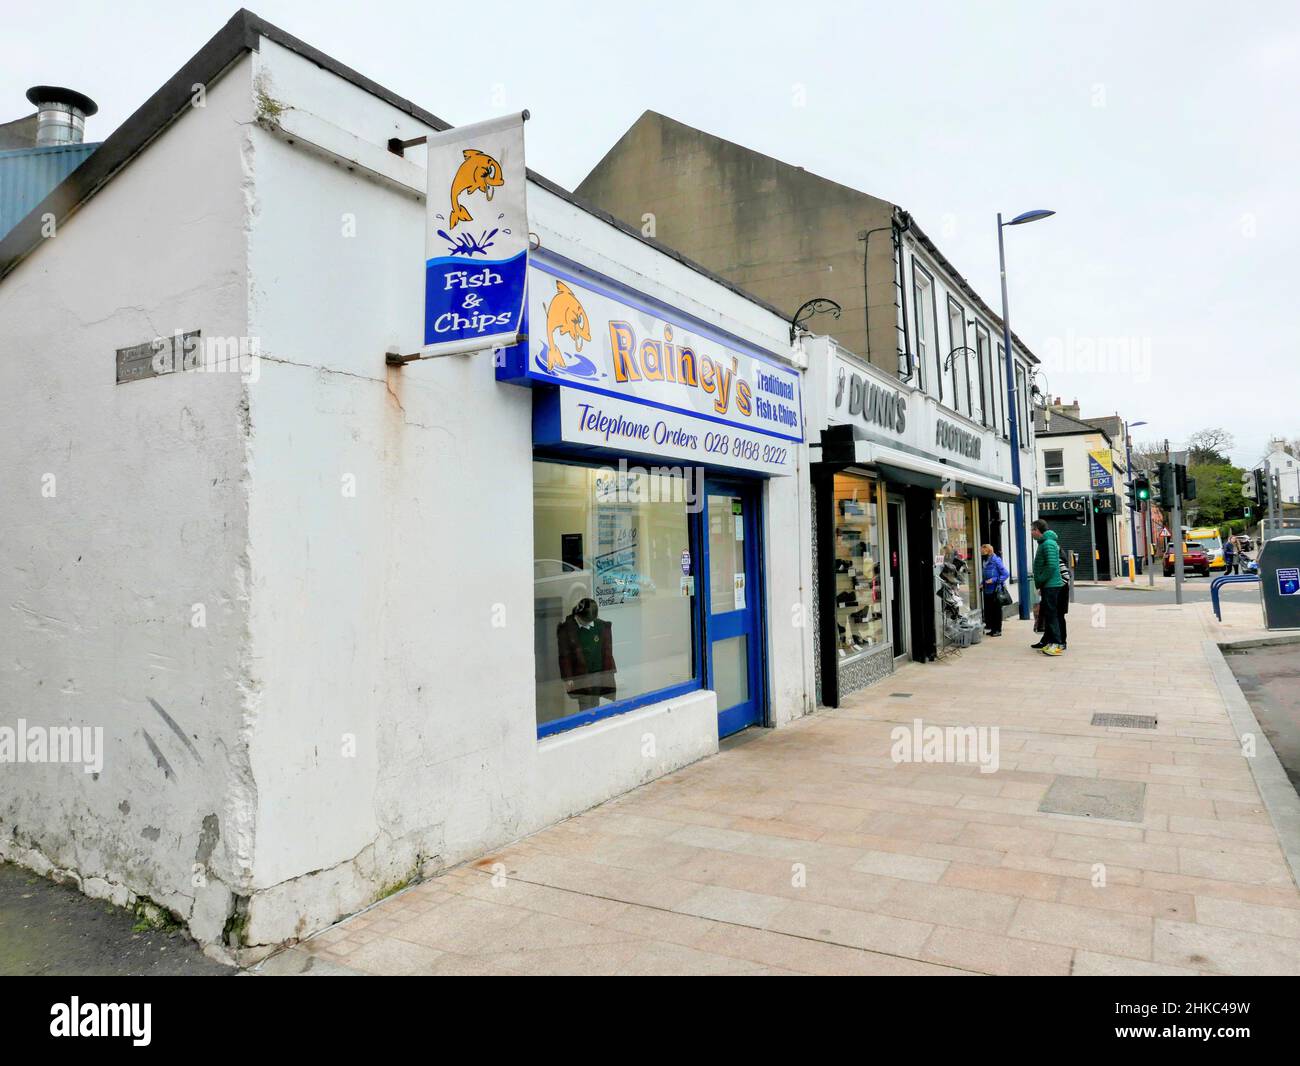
[{"x": 98, "y": 584}]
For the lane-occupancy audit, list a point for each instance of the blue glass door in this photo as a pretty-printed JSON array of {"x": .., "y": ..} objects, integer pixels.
[{"x": 733, "y": 602}]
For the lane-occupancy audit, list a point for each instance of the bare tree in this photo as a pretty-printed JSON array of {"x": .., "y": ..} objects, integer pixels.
[
  {"x": 1147, "y": 454},
  {"x": 1210, "y": 445}
]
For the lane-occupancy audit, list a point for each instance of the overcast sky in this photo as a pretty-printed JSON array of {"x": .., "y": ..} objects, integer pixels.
[{"x": 1165, "y": 135}]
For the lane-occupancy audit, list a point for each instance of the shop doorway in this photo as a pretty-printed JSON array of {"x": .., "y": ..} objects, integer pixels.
[
  {"x": 919, "y": 512},
  {"x": 897, "y": 529},
  {"x": 1101, "y": 531},
  {"x": 733, "y": 604}
]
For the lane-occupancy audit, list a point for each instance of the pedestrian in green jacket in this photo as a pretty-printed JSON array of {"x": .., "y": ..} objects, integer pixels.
[
  {"x": 1047, "y": 559},
  {"x": 1051, "y": 587}
]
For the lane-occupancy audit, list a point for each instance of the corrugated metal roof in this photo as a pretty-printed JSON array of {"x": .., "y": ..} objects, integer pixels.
[{"x": 27, "y": 175}]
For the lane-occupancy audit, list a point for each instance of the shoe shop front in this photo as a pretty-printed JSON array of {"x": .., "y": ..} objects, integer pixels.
[
  {"x": 904, "y": 493},
  {"x": 654, "y": 434}
]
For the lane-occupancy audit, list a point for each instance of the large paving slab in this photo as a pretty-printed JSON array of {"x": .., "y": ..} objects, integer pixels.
[{"x": 811, "y": 850}]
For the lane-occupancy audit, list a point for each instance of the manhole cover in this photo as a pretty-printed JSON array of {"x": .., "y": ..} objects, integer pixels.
[
  {"x": 1125, "y": 721},
  {"x": 900, "y": 695},
  {"x": 1094, "y": 797}
]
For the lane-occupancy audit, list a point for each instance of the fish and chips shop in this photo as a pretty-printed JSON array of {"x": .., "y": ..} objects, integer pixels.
[
  {"x": 512, "y": 518},
  {"x": 655, "y": 429},
  {"x": 656, "y": 436}
]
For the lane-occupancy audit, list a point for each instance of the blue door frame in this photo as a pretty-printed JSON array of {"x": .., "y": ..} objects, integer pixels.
[{"x": 739, "y": 680}]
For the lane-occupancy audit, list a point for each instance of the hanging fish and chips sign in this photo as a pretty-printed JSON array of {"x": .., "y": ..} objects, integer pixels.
[{"x": 476, "y": 237}]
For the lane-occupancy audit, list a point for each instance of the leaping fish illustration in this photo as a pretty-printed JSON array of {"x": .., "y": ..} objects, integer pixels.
[
  {"x": 478, "y": 173},
  {"x": 567, "y": 315}
]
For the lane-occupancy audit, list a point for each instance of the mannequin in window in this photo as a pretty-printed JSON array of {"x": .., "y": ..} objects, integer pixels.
[{"x": 586, "y": 652}]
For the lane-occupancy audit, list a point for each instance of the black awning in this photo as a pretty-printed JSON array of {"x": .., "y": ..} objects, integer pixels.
[
  {"x": 989, "y": 493},
  {"x": 902, "y": 476}
]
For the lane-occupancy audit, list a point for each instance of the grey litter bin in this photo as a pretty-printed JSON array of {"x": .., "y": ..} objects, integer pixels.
[{"x": 1279, "y": 582}]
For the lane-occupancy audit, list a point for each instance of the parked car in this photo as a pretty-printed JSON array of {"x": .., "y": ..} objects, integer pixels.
[
  {"x": 1195, "y": 558},
  {"x": 553, "y": 577},
  {"x": 1211, "y": 543},
  {"x": 1244, "y": 543}
]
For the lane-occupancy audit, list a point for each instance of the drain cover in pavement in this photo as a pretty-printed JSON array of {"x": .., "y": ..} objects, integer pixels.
[
  {"x": 1125, "y": 721},
  {"x": 1093, "y": 797}
]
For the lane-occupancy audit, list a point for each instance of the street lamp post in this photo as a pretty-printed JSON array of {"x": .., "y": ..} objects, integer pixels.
[
  {"x": 1022, "y": 569},
  {"x": 1128, "y": 469}
]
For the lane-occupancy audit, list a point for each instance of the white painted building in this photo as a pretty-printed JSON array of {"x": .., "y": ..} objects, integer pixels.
[
  {"x": 311, "y": 598},
  {"x": 1081, "y": 492},
  {"x": 1281, "y": 461},
  {"x": 956, "y": 355},
  {"x": 906, "y": 491}
]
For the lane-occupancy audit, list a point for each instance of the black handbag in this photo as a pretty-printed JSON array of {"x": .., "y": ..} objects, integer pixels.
[{"x": 1004, "y": 597}]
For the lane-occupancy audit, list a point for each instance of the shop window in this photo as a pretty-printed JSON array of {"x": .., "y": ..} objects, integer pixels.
[
  {"x": 613, "y": 589},
  {"x": 859, "y": 610},
  {"x": 958, "y": 552}
]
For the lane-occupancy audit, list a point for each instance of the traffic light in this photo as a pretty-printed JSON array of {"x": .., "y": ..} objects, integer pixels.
[
  {"x": 1180, "y": 480},
  {"x": 1189, "y": 486},
  {"x": 1165, "y": 485},
  {"x": 1130, "y": 495},
  {"x": 1137, "y": 492},
  {"x": 1261, "y": 488}
]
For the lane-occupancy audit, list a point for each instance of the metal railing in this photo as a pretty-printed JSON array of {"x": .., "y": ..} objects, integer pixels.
[{"x": 1227, "y": 579}]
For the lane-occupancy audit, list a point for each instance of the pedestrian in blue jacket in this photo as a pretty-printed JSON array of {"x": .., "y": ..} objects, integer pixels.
[{"x": 995, "y": 580}]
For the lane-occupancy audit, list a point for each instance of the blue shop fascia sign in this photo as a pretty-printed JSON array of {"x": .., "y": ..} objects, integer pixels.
[{"x": 617, "y": 371}]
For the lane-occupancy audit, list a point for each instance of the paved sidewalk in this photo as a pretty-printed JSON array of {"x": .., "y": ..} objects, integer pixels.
[{"x": 809, "y": 850}]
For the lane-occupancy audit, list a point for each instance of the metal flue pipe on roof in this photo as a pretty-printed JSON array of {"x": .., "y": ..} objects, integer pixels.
[{"x": 60, "y": 114}]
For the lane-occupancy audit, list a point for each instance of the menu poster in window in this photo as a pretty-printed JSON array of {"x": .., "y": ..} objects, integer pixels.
[{"x": 616, "y": 577}]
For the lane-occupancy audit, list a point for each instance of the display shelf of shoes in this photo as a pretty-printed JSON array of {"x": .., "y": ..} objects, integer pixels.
[{"x": 857, "y": 580}]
